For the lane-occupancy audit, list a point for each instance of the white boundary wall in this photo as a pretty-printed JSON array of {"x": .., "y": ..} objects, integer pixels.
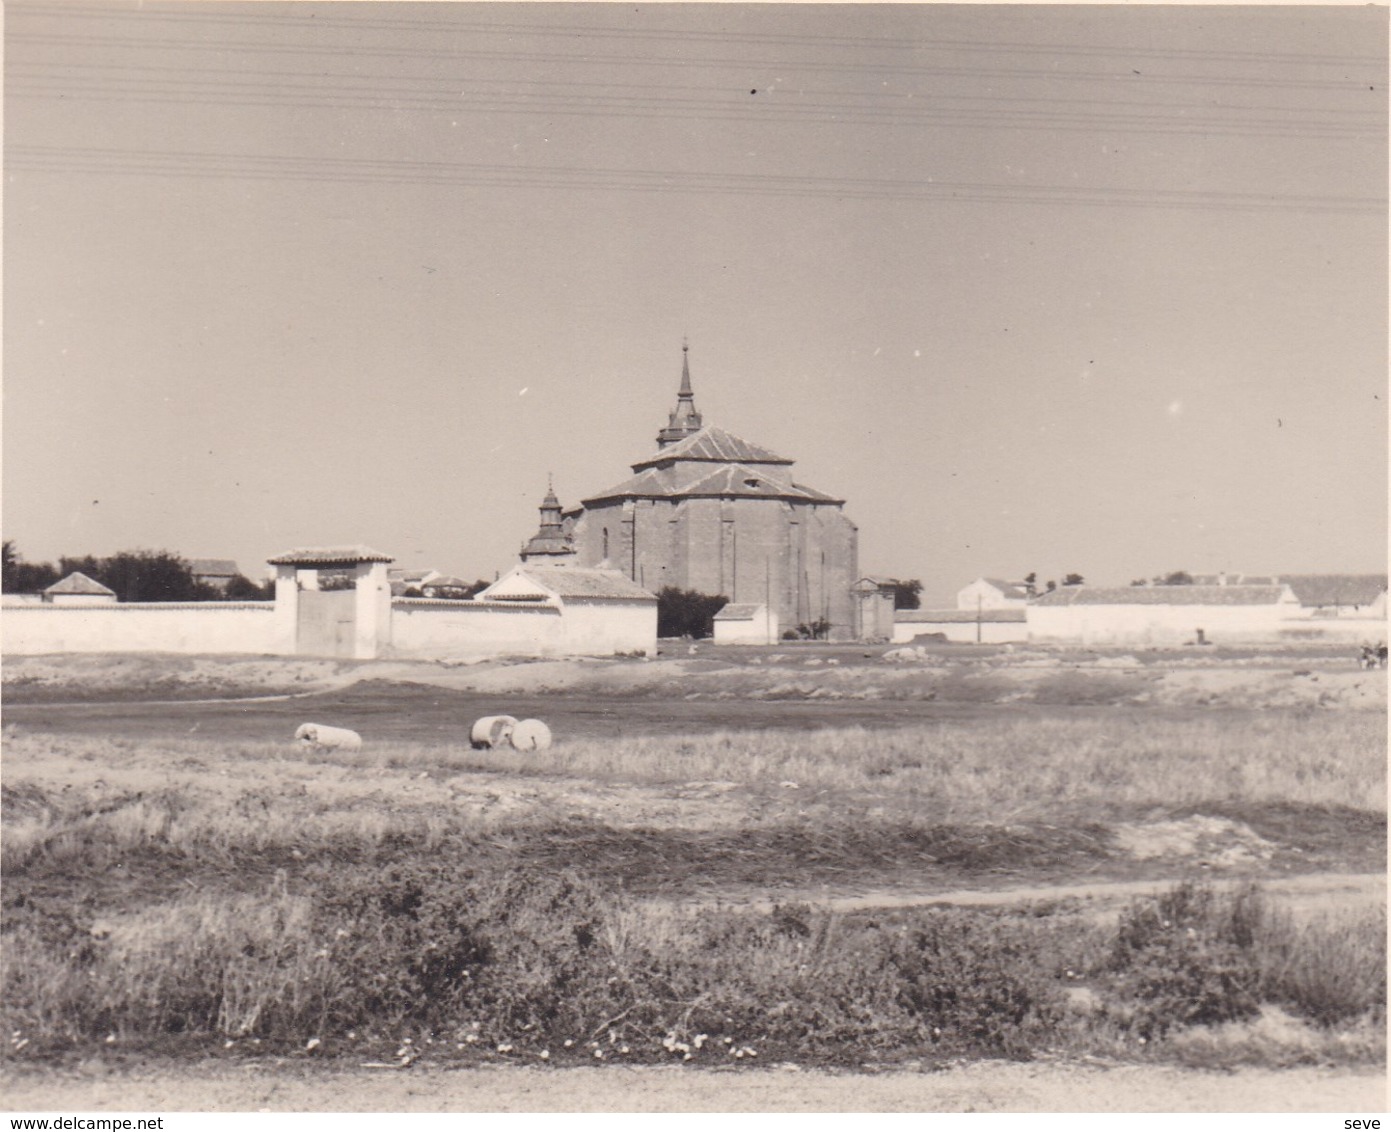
[
  {"x": 963, "y": 632},
  {"x": 604, "y": 626},
  {"x": 433, "y": 628},
  {"x": 1156, "y": 624},
  {"x": 439, "y": 627},
  {"x": 193, "y": 627}
]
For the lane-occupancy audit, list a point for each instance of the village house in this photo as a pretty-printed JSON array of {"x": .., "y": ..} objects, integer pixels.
[
  {"x": 745, "y": 624},
  {"x": 215, "y": 572},
  {"x": 1339, "y": 595},
  {"x": 994, "y": 593},
  {"x": 78, "y": 589}
]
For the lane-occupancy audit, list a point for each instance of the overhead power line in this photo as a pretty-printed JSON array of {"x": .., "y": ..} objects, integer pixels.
[
  {"x": 586, "y": 58},
  {"x": 437, "y": 27},
  {"x": 285, "y": 168},
  {"x": 793, "y": 107}
]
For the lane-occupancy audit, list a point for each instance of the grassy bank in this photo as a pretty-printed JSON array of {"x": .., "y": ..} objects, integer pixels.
[
  {"x": 426, "y": 958},
  {"x": 201, "y": 893}
]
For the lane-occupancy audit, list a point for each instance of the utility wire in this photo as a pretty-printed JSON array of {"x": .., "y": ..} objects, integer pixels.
[
  {"x": 666, "y": 62},
  {"x": 57, "y": 159},
  {"x": 47, "y": 71},
  {"x": 436, "y": 27},
  {"x": 801, "y": 111}
]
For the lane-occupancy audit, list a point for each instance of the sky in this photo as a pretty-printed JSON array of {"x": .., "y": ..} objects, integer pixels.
[{"x": 1038, "y": 289}]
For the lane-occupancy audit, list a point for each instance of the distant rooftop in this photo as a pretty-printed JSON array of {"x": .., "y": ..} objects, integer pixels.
[
  {"x": 78, "y": 583},
  {"x": 1162, "y": 595},
  {"x": 329, "y": 556},
  {"x": 213, "y": 568},
  {"x": 566, "y": 581}
]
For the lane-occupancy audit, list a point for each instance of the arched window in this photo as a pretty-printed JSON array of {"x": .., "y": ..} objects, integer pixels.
[{"x": 606, "y": 543}]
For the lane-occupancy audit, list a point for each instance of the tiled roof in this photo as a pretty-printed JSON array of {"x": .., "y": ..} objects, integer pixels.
[
  {"x": 1335, "y": 589},
  {"x": 1162, "y": 595},
  {"x": 213, "y": 568},
  {"x": 648, "y": 485},
  {"x": 78, "y": 583},
  {"x": 714, "y": 444},
  {"x": 957, "y": 616},
  {"x": 743, "y": 611},
  {"x": 329, "y": 556},
  {"x": 742, "y": 480},
  {"x": 739, "y": 480},
  {"x": 411, "y": 574},
  {"x": 1009, "y": 589},
  {"x": 447, "y": 582},
  {"x": 570, "y": 581}
]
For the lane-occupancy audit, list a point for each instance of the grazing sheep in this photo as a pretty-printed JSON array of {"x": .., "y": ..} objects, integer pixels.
[
  {"x": 531, "y": 735},
  {"x": 319, "y": 737},
  {"x": 492, "y": 731}
]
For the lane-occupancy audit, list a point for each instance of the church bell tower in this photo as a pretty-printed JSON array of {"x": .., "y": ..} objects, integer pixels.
[{"x": 685, "y": 418}]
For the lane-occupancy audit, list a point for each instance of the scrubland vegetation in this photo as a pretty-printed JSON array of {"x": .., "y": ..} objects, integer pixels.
[{"x": 423, "y": 900}]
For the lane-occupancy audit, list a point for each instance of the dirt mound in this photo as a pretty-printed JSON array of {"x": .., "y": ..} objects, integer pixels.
[{"x": 1215, "y": 842}]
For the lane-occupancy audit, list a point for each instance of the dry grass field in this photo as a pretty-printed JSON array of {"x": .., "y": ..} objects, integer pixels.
[{"x": 723, "y": 861}]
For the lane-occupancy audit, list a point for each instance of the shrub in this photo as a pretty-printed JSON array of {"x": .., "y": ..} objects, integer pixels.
[{"x": 1185, "y": 958}]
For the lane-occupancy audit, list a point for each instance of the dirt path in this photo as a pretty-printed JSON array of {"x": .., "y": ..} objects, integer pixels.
[{"x": 973, "y": 1087}]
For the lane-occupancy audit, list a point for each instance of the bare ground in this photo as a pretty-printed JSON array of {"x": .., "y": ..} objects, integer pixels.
[{"x": 989, "y": 1086}]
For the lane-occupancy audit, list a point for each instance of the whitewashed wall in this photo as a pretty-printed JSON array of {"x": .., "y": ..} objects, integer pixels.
[
  {"x": 1154, "y": 624},
  {"x": 963, "y": 632},
  {"x": 1352, "y": 629},
  {"x": 202, "y": 627},
  {"x": 426, "y": 628},
  {"x": 601, "y": 627}
]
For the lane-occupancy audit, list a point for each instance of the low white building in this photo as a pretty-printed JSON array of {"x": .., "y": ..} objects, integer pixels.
[
  {"x": 602, "y": 612},
  {"x": 742, "y": 623},
  {"x": 78, "y": 589},
  {"x": 993, "y": 593},
  {"x": 1161, "y": 615}
]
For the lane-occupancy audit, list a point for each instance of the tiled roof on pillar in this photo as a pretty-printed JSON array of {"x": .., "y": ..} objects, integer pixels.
[{"x": 329, "y": 556}]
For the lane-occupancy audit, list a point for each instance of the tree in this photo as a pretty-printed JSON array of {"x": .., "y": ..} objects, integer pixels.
[
  {"x": 242, "y": 588},
  {"x": 143, "y": 575},
  {"x": 906, "y": 593},
  {"x": 687, "y": 613},
  {"x": 22, "y": 577},
  {"x": 1177, "y": 578},
  {"x": 1073, "y": 580}
]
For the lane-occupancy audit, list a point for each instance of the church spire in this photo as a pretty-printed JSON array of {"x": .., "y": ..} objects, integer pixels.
[
  {"x": 685, "y": 418},
  {"x": 551, "y": 543}
]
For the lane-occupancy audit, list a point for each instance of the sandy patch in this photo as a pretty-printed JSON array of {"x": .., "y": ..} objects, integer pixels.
[{"x": 975, "y": 1087}]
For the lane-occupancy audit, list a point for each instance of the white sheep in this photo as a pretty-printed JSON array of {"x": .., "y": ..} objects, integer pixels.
[
  {"x": 492, "y": 731},
  {"x": 320, "y": 737}
]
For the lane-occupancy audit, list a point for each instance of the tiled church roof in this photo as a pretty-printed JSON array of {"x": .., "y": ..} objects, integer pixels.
[
  {"x": 735, "y": 479},
  {"x": 716, "y": 445}
]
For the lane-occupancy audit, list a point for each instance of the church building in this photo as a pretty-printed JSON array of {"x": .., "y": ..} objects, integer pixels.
[{"x": 708, "y": 511}]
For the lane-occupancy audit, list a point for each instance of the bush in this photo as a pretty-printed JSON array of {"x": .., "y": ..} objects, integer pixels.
[
  {"x": 1198, "y": 957},
  {"x": 1185, "y": 958},
  {"x": 687, "y": 613}
]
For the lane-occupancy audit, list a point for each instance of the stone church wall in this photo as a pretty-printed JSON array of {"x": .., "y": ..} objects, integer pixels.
[{"x": 800, "y": 558}]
